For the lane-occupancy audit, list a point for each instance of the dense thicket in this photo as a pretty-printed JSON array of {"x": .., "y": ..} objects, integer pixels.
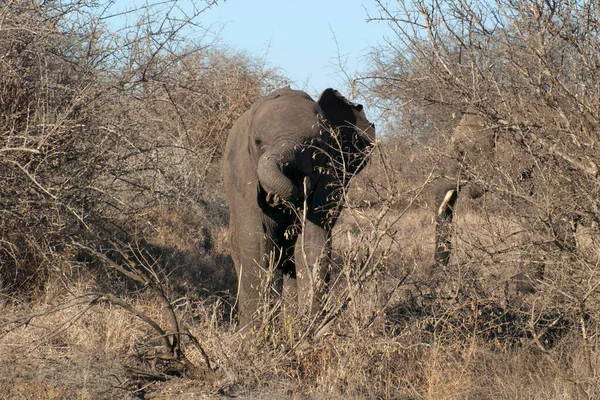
[
  {"x": 529, "y": 70},
  {"x": 111, "y": 129},
  {"x": 100, "y": 127}
]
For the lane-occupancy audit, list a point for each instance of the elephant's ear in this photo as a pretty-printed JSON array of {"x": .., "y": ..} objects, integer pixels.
[
  {"x": 357, "y": 134},
  {"x": 337, "y": 109}
]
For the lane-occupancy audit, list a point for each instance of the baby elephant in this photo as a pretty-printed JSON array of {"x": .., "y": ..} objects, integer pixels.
[{"x": 286, "y": 163}]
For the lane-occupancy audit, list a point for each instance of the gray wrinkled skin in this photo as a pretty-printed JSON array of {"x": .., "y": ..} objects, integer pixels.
[{"x": 282, "y": 187}]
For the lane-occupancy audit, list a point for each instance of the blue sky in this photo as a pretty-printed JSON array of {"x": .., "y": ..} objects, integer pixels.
[
  {"x": 315, "y": 43},
  {"x": 309, "y": 40}
]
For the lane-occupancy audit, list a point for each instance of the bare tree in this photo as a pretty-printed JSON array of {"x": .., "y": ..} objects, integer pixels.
[
  {"x": 527, "y": 72},
  {"x": 105, "y": 134},
  {"x": 99, "y": 128}
]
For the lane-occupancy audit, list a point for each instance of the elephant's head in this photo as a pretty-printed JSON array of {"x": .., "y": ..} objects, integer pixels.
[
  {"x": 289, "y": 132},
  {"x": 283, "y": 127},
  {"x": 352, "y": 133},
  {"x": 474, "y": 138},
  {"x": 472, "y": 143}
]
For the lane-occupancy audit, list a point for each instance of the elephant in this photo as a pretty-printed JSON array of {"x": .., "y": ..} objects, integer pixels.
[
  {"x": 476, "y": 141},
  {"x": 286, "y": 163},
  {"x": 472, "y": 140}
]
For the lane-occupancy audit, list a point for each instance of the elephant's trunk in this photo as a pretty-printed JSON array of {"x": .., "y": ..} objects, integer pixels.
[{"x": 273, "y": 180}]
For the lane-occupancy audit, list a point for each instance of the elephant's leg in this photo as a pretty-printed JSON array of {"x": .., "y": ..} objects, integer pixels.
[
  {"x": 249, "y": 290},
  {"x": 311, "y": 255},
  {"x": 564, "y": 229},
  {"x": 287, "y": 287},
  {"x": 252, "y": 254},
  {"x": 443, "y": 226}
]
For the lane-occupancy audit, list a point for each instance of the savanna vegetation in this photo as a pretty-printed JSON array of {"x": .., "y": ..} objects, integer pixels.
[{"x": 115, "y": 274}]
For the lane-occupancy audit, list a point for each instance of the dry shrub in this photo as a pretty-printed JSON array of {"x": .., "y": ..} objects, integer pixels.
[
  {"x": 41, "y": 126},
  {"x": 109, "y": 158},
  {"x": 523, "y": 260},
  {"x": 107, "y": 140},
  {"x": 69, "y": 353},
  {"x": 103, "y": 131}
]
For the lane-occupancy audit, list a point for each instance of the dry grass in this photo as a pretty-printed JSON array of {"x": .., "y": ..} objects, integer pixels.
[
  {"x": 68, "y": 354},
  {"x": 115, "y": 276},
  {"x": 395, "y": 339}
]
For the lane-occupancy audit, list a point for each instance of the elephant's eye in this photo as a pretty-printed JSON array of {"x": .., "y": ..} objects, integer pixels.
[{"x": 258, "y": 143}]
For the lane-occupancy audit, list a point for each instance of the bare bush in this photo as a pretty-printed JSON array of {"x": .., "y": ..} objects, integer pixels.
[
  {"x": 42, "y": 123},
  {"x": 111, "y": 136},
  {"x": 528, "y": 71},
  {"x": 99, "y": 129}
]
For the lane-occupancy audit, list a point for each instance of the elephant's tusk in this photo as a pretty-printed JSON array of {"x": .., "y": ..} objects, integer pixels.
[{"x": 447, "y": 198}]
